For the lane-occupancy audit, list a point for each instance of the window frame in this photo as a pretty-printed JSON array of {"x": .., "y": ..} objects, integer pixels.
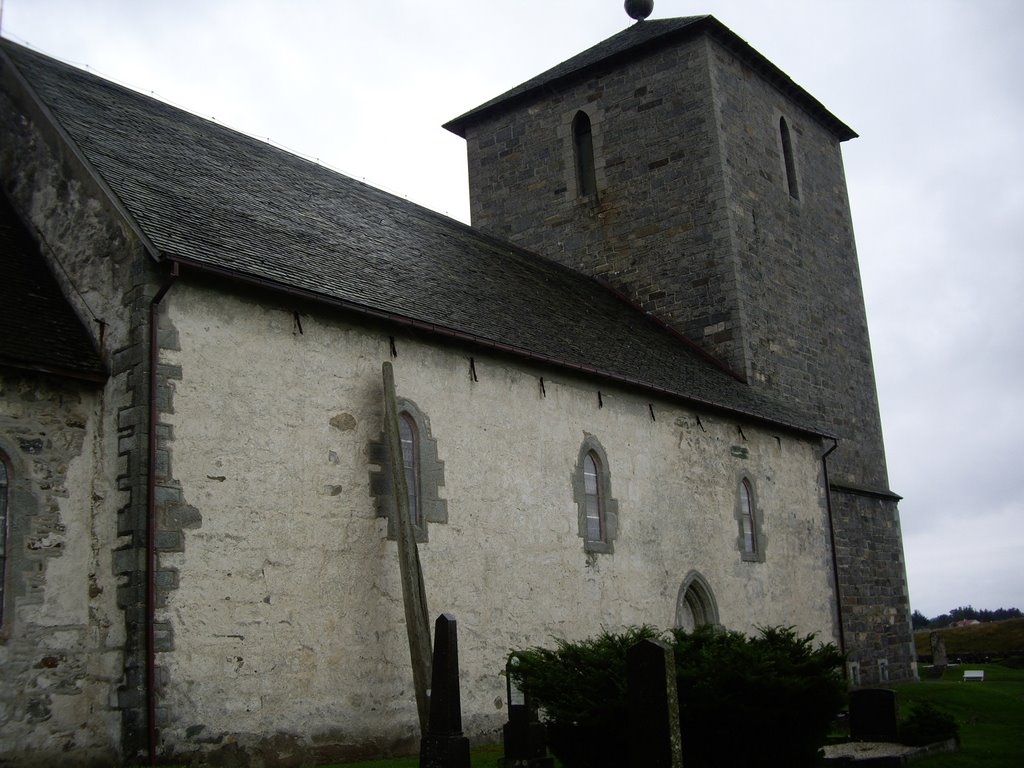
[
  {"x": 608, "y": 507},
  {"x": 411, "y": 463},
  {"x": 593, "y": 498},
  {"x": 433, "y": 507},
  {"x": 853, "y": 675},
  {"x": 582, "y": 130},
  {"x": 748, "y": 512}
]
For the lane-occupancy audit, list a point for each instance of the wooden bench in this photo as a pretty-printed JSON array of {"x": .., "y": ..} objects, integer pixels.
[{"x": 974, "y": 674}]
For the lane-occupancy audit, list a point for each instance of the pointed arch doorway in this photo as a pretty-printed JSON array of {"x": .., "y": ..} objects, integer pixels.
[{"x": 695, "y": 604}]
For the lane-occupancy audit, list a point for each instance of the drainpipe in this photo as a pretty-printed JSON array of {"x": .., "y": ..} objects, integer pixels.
[
  {"x": 154, "y": 359},
  {"x": 832, "y": 540}
]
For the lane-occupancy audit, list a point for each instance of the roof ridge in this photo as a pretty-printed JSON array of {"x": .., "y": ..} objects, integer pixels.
[
  {"x": 645, "y": 36},
  {"x": 579, "y": 62}
]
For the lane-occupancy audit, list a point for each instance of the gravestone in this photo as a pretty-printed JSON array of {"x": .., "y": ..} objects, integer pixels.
[
  {"x": 523, "y": 736},
  {"x": 938, "y": 643},
  {"x": 939, "y": 659},
  {"x": 653, "y": 705},
  {"x": 444, "y": 746},
  {"x": 873, "y": 715}
]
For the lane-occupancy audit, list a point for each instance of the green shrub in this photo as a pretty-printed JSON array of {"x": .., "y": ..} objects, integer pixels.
[
  {"x": 581, "y": 688},
  {"x": 927, "y": 724},
  {"x": 764, "y": 700}
]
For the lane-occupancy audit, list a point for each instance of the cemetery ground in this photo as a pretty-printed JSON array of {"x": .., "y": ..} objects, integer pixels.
[
  {"x": 990, "y": 715},
  {"x": 482, "y": 757}
]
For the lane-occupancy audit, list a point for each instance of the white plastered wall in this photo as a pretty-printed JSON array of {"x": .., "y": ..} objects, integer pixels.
[{"x": 288, "y": 617}]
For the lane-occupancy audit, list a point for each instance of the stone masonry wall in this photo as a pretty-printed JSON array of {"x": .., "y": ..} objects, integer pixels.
[
  {"x": 876, "y": 603},
  {"x": 109, "y": 279},
  {"x": 658, "y": 228},
  {"x": 289, "y": 637},
  {"x": 798, "y": 276},
  {"x": 59, "y": 644},
  {"x": 807, "y": 335}
]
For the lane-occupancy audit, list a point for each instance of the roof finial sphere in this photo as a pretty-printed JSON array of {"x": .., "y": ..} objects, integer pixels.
[{"x": 639, "y": 9}]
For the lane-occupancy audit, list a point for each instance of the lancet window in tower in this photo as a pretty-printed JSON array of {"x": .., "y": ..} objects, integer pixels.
[
  {"x": 787, "y": 154},
  {"x": 583, "y": 147}
]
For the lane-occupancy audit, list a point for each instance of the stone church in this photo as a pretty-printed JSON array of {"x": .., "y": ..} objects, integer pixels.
[{"x": 638, "y": 389}]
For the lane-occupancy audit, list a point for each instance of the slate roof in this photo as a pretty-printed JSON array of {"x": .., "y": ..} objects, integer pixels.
[
  {"x": 638, "y": 40},
  {"x": 38, "y": 329},
  {"x": 207, "y": 196}
]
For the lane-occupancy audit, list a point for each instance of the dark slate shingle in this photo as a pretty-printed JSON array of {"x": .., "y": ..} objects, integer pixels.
[
  {"x": 637, "y": 40},
  {"x": 213, "y": 197}
]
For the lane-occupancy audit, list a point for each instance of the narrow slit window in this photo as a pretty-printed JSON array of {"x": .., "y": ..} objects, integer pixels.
[
  {"x": 593, "y": 500},
  {"x": 787, "y": 155},
  {"x": 583, "y": 145},
  {"x": 411, "y": 463}
]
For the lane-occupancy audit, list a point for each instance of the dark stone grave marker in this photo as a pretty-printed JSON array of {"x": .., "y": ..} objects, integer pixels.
[
  {"x": 444, "y": 746},
  {"x": 653, "y": 704},
  {"x": 873, "y": 715},
  {"x": 523, "y": 736},
  {"x": 939, "y": 659}
]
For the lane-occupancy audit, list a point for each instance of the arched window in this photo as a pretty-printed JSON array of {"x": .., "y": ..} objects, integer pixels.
[
  {"x": 787, "y": 155},
  {"x": 5, "y": 482},
  {"x": 423, "y": 469},
  {"x": 748, "y": 517},
  {"x": 592, "y": 492},
  {"x": 583, "y": 147},
  {"x": 411, "y": 463}
]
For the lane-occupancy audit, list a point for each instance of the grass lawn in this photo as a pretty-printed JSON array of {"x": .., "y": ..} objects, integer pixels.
[
  {"x": 482, "y": 757},
  {"x": 990, "y": 715}
]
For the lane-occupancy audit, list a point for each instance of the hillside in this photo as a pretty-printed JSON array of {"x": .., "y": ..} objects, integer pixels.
[{"x": 995, "y": 638}]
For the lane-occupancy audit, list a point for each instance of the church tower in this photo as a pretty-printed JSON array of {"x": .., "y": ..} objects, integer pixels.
[{"x": 676, "y": 163}]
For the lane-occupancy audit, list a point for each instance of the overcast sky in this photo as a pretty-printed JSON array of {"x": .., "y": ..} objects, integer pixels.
[{"x": 936, "y": 180}]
